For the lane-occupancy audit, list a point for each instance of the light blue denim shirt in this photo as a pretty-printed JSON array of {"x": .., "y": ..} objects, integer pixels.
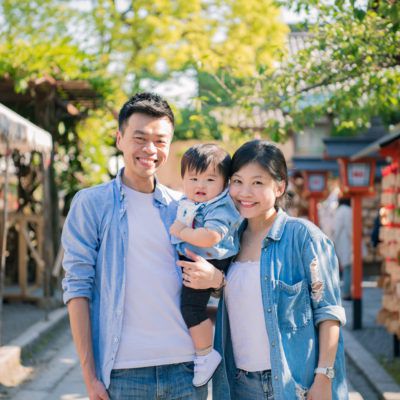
[
  {"x": 218, "y": 214},
  {"x": 299, "y": 279},
  {"x": 95, "y": 239}
]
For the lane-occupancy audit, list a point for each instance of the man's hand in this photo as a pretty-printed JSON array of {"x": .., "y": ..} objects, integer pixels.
[
  {"x": 321, "y": 389},
  {"x": 97, "y": 390},
  {"x": 176, "y": 228}
]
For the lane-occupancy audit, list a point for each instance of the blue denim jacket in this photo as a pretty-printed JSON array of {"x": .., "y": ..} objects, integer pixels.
[
  {"x": 95, "y": 238},
  {"x": 300, "y": 288},
  {"x": 220, "y": 215}
]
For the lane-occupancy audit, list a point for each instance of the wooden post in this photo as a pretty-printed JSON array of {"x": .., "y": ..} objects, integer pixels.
[
  {"x": 48, "y": 231},
  {"x": 357, "y": 275},
  {"x": 40, "y": 249},
  {"x": 5, "y": 233},
  {"x": 22, "y": 258},
  {"x": 45, "y": 116},
  {"x": 313, "y": 210}
]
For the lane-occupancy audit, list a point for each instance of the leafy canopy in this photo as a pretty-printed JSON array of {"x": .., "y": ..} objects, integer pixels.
[{"x": 349, "y": 70}]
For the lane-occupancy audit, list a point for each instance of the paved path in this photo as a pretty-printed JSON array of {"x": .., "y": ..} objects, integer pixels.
[
  {"x": 57, "y": 374},
  {"x": 59, "y": 378}
]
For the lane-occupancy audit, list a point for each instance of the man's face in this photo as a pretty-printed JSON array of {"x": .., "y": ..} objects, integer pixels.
[{"x": 144, "y": 142}]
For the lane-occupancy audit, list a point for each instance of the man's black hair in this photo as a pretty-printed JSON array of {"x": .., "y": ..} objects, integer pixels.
[{"x": 145, "y": 103}]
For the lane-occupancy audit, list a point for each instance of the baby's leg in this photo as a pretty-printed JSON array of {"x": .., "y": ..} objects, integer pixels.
[
  {"x": 194, "y": 312},
  {"x": 202, "y": 336}
]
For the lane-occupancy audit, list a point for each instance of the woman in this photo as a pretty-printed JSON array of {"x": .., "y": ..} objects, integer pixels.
[{"x": 278, "y": 320}]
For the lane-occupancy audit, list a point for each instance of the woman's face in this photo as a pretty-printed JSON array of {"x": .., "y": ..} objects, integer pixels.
[{"x": 254, "y": 191}]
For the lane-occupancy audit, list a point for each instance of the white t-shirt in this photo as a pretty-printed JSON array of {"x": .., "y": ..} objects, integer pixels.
[
  {"x": 153, "y": 330},
  {"x": 243, "y": 298}
]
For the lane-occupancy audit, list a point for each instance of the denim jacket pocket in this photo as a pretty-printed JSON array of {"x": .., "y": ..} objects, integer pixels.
[{"x": 293, "y": 305}]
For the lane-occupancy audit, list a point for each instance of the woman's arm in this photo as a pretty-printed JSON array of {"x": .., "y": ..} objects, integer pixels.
[
  {"x": 321, "y": 389},
  {"x": 200, "y": 274}
]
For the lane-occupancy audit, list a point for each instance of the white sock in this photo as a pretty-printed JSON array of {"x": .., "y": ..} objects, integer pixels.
[{"x": 204, "y": 352}]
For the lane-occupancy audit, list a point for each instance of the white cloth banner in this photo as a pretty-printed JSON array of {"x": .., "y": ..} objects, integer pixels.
[{"x": 23, "y": 135}]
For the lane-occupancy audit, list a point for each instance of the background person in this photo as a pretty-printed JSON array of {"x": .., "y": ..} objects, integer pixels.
[{"x": 342, "y": 236}]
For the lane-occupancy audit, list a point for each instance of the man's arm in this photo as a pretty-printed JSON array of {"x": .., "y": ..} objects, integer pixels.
[
  {"x": 80, "y": 243},
  {"x": 79, "y": 316},
  {"x": 321, "y": 389}
]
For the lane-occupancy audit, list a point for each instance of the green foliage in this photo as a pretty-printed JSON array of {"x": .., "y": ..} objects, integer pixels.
[
  {"x": 160, "y": 36},
  {"x": 35, "y": 43},
  {"x": 115, "y": 45},
  {"x": 349, "y": 71}
]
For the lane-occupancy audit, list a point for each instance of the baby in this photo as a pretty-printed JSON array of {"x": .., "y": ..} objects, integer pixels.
[{"x": 206, "y": 224}]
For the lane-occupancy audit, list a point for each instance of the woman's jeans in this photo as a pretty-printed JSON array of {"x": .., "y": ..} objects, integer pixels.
[
  {"x": 253, "y": 385},
  {"x": 165, "y": 382}
]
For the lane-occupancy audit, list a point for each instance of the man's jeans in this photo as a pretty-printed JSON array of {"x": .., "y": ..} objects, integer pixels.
[
  {"x": 253, "y": 385},
  {"x": 165, "y": 382}
]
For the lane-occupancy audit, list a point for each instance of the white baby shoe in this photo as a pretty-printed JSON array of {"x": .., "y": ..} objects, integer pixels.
[{"x": 204, "y": 367}]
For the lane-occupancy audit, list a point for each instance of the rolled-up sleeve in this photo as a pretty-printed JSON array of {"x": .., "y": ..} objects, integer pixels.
[
  {"x": 222, "y": 218},
  {"x": 80, "y": 244},
  {"x": 322, "y": 271},
  {"x": 217, "y": 220}
]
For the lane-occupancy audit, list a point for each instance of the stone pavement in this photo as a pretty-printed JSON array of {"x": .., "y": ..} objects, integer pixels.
[
  {"x": 367, "y": 346},
  {"x": 61, "y": 380}
]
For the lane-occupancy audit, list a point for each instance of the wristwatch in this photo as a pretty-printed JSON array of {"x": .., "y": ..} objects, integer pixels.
[
  {"x": 223, "y": 281},
  {"x": 329, "y": 372}
]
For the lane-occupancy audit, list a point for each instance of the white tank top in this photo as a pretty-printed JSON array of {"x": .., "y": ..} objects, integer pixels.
[
  {"x": 246, "y": 316},
  {"x": 153, "y": 330}
]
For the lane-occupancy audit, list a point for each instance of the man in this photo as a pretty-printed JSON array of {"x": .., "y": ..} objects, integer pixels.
[{"x": 122, "y": 285}]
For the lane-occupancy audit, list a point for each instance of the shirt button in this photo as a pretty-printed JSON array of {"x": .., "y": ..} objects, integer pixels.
[
  {"x": 115, "y": 339},
  {"x": 265, "y": 278},
  {"x": 276, "y": 377},
  {"x": 269, "y": 310},
  {"x": 273, "y": 344}
]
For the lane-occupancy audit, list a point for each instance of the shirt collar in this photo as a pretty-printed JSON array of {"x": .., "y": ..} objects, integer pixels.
[
  {"x": 276, "y": 230},
  {"x": 160, "y": 192}
]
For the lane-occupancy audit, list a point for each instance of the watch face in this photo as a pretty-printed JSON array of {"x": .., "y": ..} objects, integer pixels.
[{"x": 330, "y": 373}]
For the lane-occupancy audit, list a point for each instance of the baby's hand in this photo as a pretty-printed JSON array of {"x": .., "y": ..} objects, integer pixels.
[{"x": 176, "y": 228}]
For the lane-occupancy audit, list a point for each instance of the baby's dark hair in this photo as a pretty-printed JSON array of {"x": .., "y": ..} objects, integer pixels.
[
  {"x": 269, "y": 157},
  {"x": 200, "y": 156}
]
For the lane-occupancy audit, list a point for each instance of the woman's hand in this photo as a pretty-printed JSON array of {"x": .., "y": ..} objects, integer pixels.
[
  {"x": 321, "y": 389},
  {"x": 200, "y": 274}
]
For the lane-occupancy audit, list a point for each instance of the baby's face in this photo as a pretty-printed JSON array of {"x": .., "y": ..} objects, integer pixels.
[{"x": 203, "y": 186}]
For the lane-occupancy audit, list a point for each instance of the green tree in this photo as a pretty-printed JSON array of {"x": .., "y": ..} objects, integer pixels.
[
  {"x": 116, "y": 45},
  {"x": 348, "y": 70},
  {"x": 159, "y": 36}
]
